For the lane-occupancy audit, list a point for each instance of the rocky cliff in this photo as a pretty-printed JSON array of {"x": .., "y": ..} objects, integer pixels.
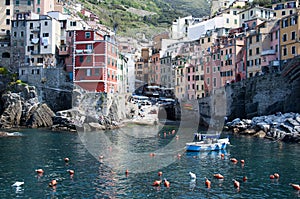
[
  {"x": 20, "y": 107},
  {"x": 263, "y": 95}
]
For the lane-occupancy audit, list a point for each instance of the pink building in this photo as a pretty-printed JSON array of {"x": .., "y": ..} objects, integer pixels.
[{"x": 270, "y": 47}]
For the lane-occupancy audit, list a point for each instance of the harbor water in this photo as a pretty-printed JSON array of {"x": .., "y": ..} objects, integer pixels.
[{"x": 95, "y": 177}]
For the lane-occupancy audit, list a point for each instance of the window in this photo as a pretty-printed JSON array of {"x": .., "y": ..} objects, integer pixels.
[
  {"x": 293, "y": 35},
  {"x": 207, "y": 81},
  {"x": 251, "y": 13},
  {"x": 89, "y": 47},
  {"x": 257, "y": 38},
  {"x": 283, "y": 13},
  {"x": 17, "y": 2},
  {"x": 293, "y": 50},
  {"x": 285, "y": 23},
  {"x": 72, "y": 23},
  {"x": 45, "y": 34},
  {"x": 7, "y": 21},
  {"x": 15, "y": 34},
  {"x": 88, "y": 59},
  {"x": 230, "y": 50},
  {"x": 97, "y": 71},
  {"x": 234, "y": 12},
  {"x": 243, "y": 16},
  {"x": 208, "y": 39},
  {"x": 29, "y": 2},
  {"x": 207, "y": 69},
  {"x": 284, "y": 51},
  {"x": 257, "y": 51},
  {"x": 293, "y": 21},
  {"x": 80, "y": 59},
  {"x": 39, "y": 60},
  {"x": 227, "y": 20},
  {"x": 8, "y": 12},
  {"x": 88, "y": 72},
  {"x": 250, "y": 40},
  {"x": 46, "y": 23},
  {"x": 38, "y": 2},
  {"x": 22, "y": 34},
  {"x": 284, "y": 37},
  {"x": 250, "y": 52},
  {"x": 7, "y": 2},
  {"x": 235, "y": 21},
  {"x": 87, "y": 35},
  {"x": 38, "y": 10}
]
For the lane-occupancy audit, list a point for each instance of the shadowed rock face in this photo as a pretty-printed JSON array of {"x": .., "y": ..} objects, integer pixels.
[{"x": 22, "y": 108}]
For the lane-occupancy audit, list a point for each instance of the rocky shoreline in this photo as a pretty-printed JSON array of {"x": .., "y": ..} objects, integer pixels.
[{"x": 280, "y": 127}]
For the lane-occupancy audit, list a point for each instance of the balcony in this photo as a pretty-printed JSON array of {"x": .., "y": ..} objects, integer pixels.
[
  {"x": 35, "y": 52},
  {"x": 275, "y": 63},
  {"x": 35, "y": 29},
  {"x": 35, "y": 40},
  {"x": 268, "y": 52},
  {"x": 84, "y": 51}
]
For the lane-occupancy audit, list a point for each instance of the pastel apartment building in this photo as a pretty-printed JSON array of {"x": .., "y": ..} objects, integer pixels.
[
  {"x": 289, "y": 37},
  {"x": 34, "y": 40}
]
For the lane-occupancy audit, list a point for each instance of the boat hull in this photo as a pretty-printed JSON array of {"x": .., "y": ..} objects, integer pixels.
[{"x": 202, "y": 146}]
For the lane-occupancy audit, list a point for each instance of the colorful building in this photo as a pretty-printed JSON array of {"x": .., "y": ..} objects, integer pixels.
[{"x": 94, "y": 61}]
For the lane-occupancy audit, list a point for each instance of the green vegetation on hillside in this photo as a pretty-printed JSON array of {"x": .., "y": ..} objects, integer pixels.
[{"x": 129, "y": 17}]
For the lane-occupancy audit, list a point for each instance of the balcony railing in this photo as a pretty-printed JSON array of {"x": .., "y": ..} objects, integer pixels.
[
  {"x": 268, "y": 52},
  {"x": 36, "y": 52}
]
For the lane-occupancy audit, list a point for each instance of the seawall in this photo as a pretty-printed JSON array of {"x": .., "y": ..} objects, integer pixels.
[{"x": 261, "y": 95}]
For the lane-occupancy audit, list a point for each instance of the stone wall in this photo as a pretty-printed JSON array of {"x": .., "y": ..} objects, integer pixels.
[
  {"x": 52, "y": 84},
  {"x": 262, "y": 95}
]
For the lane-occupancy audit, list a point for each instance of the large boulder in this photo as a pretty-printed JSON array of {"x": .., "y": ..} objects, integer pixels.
[{"x": 22, "y": 108}]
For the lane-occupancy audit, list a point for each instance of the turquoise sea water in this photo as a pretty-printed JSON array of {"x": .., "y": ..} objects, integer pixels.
[{"x": 20, "y": 156}]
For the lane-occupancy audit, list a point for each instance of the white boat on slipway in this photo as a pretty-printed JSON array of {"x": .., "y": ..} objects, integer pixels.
[{"x": 207, "y": 142}]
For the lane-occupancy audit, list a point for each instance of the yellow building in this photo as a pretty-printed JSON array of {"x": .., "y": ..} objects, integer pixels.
[
  {"x": 283, "y": 9},
  {"x": 289, "y": 38}
]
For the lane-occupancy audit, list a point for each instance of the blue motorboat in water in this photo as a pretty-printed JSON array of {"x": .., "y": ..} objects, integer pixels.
[{"x": 207, "y": 142}]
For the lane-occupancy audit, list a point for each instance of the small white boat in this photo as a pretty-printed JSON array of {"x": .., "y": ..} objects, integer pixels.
[{"x": 207, "y": 142}]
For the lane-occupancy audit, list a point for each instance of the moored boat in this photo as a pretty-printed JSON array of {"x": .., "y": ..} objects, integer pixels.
[{"x": 207, "y": 143}]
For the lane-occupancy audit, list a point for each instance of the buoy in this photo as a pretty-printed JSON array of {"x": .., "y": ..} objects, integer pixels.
[
  {"x": 295, "y": 186},
  {"x": 39, "y": 171},
  {"x": 101, "y": 157},
  {"x": 152, "y": 154},
  {"x": 166, "y": 183},
  {"x": 66, "y": 160},
  {"x": 243, "y": 161},
  {"x": 159, "y": 173},
  {"x": 276, "y": 175},
  {"x": 233, "y": 160},
  {"x": 126, "y": 172},
  {"x": 222, "y": 155},
  {"x": 218, "y": 176},
  {"x": 156, "y": 183},
  {"x": 236, "y": 183},
  {"x": 272, "y": 176},
  {"x": 71, "y": 172},
  {"x": 207, "y": 183},
  {"x": 53, "y": 183},
  {"x": 245, "y": 178}
]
